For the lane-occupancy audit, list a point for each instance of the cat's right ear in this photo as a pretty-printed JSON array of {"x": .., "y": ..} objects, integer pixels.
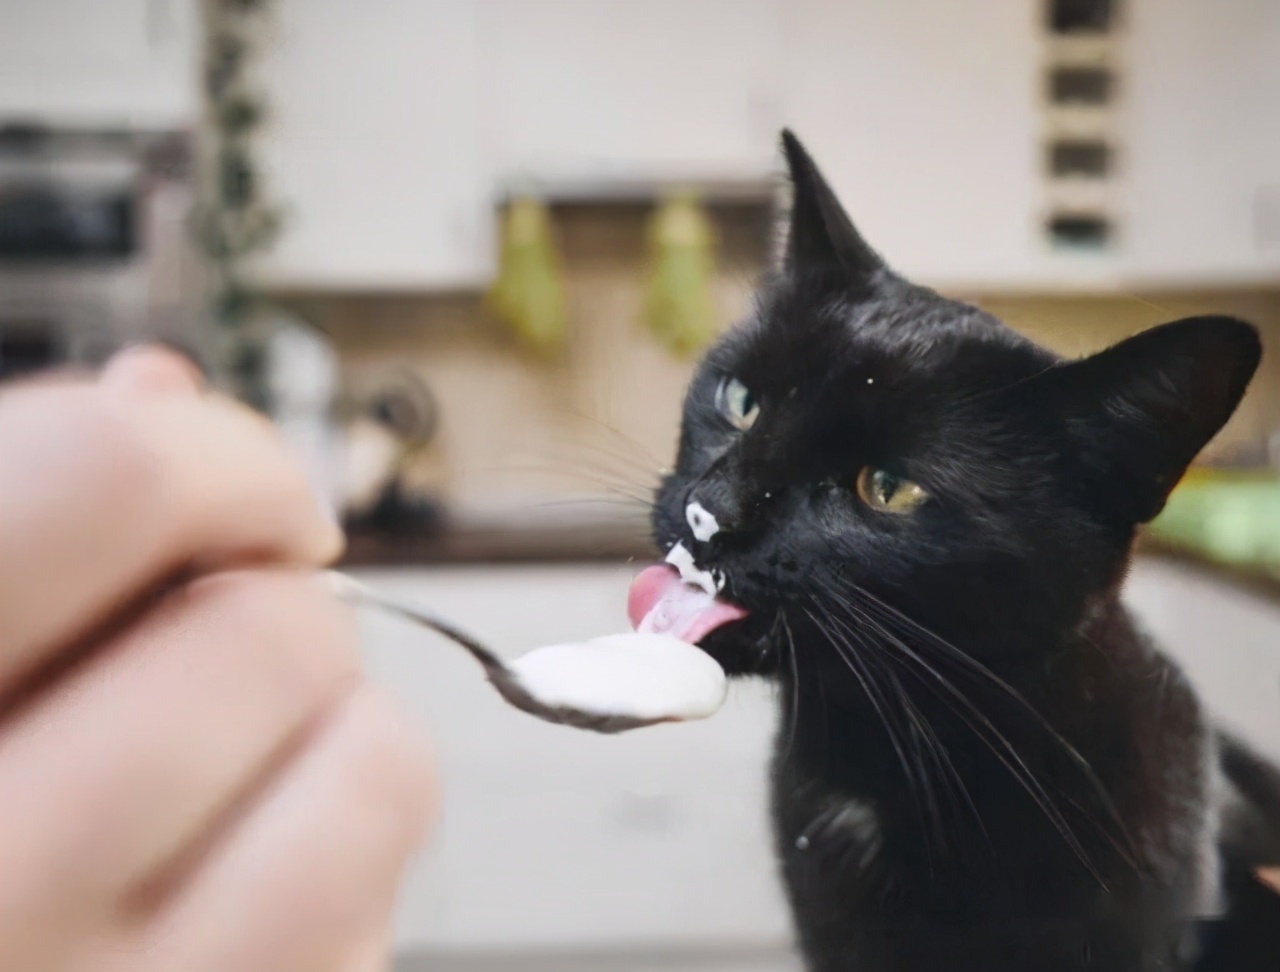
[
  {"x": 1138, "y": 412},
  {"x": 821, "y": 238}
]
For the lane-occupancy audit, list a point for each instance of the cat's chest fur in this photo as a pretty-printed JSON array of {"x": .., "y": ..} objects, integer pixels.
[{"x": 886, "y": 871}]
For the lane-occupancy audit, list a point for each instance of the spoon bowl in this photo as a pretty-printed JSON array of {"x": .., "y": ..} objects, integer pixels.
[{"x": 579, "y": 685}]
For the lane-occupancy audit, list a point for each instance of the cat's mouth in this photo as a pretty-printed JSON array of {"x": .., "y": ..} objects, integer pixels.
[{"x": 678, "y": 599}]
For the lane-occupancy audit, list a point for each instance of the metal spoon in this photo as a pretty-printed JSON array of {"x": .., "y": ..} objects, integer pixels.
[{"x": 499, "y": 673}]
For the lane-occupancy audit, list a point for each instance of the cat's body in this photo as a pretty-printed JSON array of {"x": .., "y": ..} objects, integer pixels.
[
  {"x": 975, "y": 894},
  {"x": 982, "y": 764}
]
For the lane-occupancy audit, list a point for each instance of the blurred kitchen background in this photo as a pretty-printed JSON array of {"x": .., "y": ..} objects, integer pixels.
[{"x": 464, "y": 252}]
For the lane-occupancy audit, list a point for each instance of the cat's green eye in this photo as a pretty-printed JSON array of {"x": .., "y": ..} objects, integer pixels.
[
  {"x": 737, "y": 404},
  {"x": 882, "y": 490}
]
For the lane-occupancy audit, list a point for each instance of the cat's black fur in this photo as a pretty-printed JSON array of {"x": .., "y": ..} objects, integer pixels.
[{"x": 982, "y": 763}]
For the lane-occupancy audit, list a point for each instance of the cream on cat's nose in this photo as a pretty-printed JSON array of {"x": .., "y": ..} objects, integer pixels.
[{"x": 701, "y": 521}]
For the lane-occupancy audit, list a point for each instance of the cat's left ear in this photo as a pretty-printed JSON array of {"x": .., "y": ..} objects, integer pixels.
[{"x": 1139, "y": 412}]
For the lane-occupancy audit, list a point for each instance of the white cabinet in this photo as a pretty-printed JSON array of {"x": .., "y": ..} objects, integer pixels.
[
  {"x": 398, "y": 122},
  {"x": 1202, "y": 141},
  {"x": 597, "y": 89},
  {"x": 373, "y": 149},
  {"x": 930, "y": 119},
  {"x": 99, "y": 62},
  {"x": 1226, "y": 639},
  {"x": 924, "y": 117}
]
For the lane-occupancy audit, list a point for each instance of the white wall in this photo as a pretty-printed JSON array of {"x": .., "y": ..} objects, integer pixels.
[{"x": 96, "y": 62}]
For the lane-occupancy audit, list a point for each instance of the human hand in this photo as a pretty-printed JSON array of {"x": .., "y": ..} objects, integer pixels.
[{"x": 193, "y": 774}]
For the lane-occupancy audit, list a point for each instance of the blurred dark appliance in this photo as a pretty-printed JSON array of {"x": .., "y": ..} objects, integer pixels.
[
  {"x": 66, "y": 195},
  {"x": 1081, "y": 16},
  {"x": 92, "y": 243},
  {"x": 26, "y": 347},
  {"x": 44, "y": 223}
]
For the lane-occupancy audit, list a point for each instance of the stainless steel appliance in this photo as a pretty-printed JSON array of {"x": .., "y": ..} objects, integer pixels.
[{"x": 94, "y": 248}]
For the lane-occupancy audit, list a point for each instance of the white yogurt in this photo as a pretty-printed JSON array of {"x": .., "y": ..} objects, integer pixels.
[{"x": 651, "y": 677}]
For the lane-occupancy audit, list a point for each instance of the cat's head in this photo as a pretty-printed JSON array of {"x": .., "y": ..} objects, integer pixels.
[{"x": 858, "y": 436}]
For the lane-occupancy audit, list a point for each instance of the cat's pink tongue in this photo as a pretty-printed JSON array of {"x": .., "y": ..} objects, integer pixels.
[{"x": 659, "y": 602}]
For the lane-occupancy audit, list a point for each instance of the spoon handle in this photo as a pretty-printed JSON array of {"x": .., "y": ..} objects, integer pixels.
[
  {"x": 501, "y": 677},
  {"x": 355, "y": 592}
]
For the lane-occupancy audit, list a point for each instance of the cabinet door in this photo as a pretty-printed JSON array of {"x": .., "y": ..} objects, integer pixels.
[
  {"x": 372, "y": 149},
  {"x": 924, "y": 117},
  {"x": 99, "y": 62},
  {"x": 1226, "y": 639},
  {"x": 1203, "y": 141},
  {"x": 593, "y": 89}
]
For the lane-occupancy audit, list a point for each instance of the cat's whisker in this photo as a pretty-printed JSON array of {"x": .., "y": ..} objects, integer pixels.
[
  {"x": 988, "y": 393},
  {"x": 638, "y": 478},
  {"x": 639, "y": 488},
  {"x": 915, "y": 723},
  {"x": 588, "y": 454},
  {"x": 624, "y": 504},
  {"x": 859, "y": 615},
  {"x": 942, "y": 759},
  {"x": 634, "y": 494},
  {"x": 795, "y": 683},
  {"x": 971, "y": 666},
  {"x": 967, "y": 664},
  {"x": 1007, "y": 754},
  {"x": 846, "y": 653},
  {"x": 948, "y": 775},
  {"x": 995, "y": 741},
  {"x": 642, "y": 458}
]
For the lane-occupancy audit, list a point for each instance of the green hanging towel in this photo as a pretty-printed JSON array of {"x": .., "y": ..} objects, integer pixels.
[
  {"x": 528, "y": 293},
  {"x": 679, "y": 303}
]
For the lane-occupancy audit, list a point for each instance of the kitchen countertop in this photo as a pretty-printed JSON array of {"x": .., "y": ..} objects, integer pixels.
[
  {"x": 657, "y": 959},
  {"x": 481, "y": 544},
  {"x": 1255, "y": 580},
  {"x": 550, "y": 531}
]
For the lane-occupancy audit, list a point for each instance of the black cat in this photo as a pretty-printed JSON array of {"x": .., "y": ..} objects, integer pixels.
[{"x": 982, "y": 763}]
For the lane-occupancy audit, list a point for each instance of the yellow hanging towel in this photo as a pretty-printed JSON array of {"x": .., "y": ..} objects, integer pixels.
[
  {"x": 679, "y": 303},
  {"x": 528, "y": 293}
]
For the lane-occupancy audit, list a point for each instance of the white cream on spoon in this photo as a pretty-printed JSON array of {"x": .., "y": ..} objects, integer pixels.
[
  {"x": 645, "y": 677},
  {"x": 608, "y": 684}
]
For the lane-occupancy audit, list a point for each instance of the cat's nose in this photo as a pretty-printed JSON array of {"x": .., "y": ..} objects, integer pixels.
[
  {"x": 712, "y": 510},
  {"x": 701, "y": 521}
]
